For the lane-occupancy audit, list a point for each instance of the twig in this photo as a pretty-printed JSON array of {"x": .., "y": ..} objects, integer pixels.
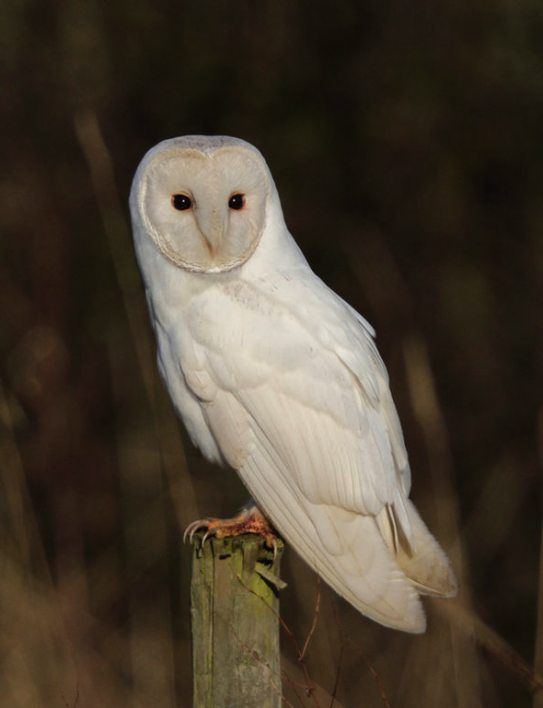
[
  {"x": 293, "y": 685},
  {"x": 338, "y": 673},
  {"x": 373, "y": 673},
  {"x": 301, "y": 657}
]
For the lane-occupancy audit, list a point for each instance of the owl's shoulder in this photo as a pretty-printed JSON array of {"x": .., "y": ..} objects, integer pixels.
[{"x": 295, "y": 303}]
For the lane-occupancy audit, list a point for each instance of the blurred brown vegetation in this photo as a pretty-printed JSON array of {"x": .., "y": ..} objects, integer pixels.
[{"x": 406, "y": 141}]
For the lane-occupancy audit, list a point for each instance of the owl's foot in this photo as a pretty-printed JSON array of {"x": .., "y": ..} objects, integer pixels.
[{"x": 249, "y": 520}]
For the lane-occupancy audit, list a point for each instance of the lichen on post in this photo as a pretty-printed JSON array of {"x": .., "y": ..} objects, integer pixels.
[{"x": 235, "y": 623}]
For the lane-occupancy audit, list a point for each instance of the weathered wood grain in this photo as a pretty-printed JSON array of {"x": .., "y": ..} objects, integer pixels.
[{"x": 235, "y": 623}]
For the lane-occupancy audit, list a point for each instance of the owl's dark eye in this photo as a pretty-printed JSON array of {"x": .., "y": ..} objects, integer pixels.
[
  {"x": 181, "y": 202},
  {"x": 236, "y": 201}
]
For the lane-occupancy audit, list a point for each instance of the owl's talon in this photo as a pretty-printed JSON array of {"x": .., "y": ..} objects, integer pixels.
[
  {"x": 208, "y": 533},
  {"x": 193, "y": 527},
  {"x": 191, "y": 536},
  {"x": 250, "y": 520},
  {"x": 197, "y": 528}
]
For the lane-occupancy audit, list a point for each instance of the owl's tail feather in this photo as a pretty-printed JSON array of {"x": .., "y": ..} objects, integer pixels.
[{"x": 420, "y": 557}]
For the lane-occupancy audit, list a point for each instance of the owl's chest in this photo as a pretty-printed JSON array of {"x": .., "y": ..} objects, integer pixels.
[
  {"x": 235, "y": 333},
  {"x": 235, "y": 317}
]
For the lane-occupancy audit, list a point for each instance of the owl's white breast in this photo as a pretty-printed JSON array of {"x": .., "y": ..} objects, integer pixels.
[{"x": 197, "y": 319}]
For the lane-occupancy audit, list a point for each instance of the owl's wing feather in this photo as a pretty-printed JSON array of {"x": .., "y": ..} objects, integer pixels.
[
  {"x": 297, "y": 398},
  {"x": 297, "y": 358},
  {"x": 345, "y": 548}
]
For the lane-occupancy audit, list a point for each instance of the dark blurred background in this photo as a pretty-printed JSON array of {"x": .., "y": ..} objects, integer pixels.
[{"x": 406, "y": 142}]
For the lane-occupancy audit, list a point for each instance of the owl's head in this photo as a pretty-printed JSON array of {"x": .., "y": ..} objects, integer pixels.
[{"x": 202, "y": 200}]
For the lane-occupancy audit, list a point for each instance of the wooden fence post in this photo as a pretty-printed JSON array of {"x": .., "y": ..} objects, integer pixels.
[{"x": 235, "y": 623}]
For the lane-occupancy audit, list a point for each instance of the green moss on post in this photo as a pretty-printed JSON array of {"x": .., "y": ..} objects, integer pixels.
[{"x": 235, "y": 623}]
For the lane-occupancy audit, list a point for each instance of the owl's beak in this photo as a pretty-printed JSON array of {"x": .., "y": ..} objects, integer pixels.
[{"x": 212, "y": 225}]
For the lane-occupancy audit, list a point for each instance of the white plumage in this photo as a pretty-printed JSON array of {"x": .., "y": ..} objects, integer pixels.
[{"x": 275, "y": 375}]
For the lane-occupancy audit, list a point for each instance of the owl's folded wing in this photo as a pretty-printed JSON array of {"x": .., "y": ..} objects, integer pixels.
[
  {"x": 308, "y": 373},
  {"x": 346, "y": 548},
  {"x": 298, "y": 402}
]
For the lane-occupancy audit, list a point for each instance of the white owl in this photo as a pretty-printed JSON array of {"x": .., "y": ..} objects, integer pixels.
[{"x": 278, "y": 377}]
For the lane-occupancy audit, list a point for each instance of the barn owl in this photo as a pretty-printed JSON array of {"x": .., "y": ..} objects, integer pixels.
[{"x": 276, "y": 376}]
